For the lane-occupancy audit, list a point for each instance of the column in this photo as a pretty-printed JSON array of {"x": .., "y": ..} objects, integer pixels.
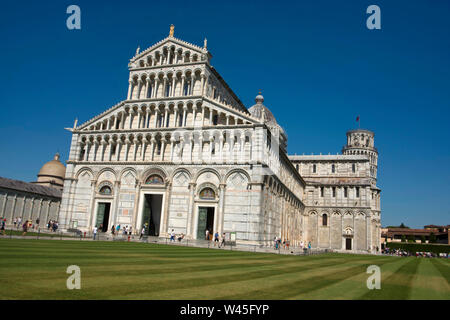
[
  {"x": 191, "y": 222},
  {"x": 183, "y": 78},
  {"x": 165, "y": 79},
  {"x": 203, "y": 115},
  {"x": 172, "y": 90},
  {"x": 203, "y": 83},
  {"x": 156, "y": 116},
  {"x": 184, "y": 115},
  {"x": 166, "y": 123},
  {"x": 5, "y": 198},
  {"x": 131, "y": 119},
  {"x": 211, "y": 141},
  {"x": 48, "y": 211},
  {"x": 194, "y": 110},
  {"x": 31, "y": 210},
  {"x": 153, "y": 141},
  {"x": 139, "y": 88},
  {"x": 220, "y": 214},
  {"x": 172, "y": 141},
  {"x": 210, "y": 116},
  {"x": 130, "y": 90},
  {"x": 39, "y": 211},
  {"x": 175, "y": 116},
  {"x": 144, "y": 146},
  {"x": 147, "y": 86}
]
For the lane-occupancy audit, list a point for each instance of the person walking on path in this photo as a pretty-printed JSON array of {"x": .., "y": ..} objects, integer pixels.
[
  {"x": 19, "y": 221},
  {"x": 142, "y": 233},
  {"x": 3, "y": 223},
  {"x": 216, "y": 239},
  {"x": 222, "y": 244},
  {"x": 207, "y": 234},
  {"x": 25, "y": 228},
  {"x": 15, "y": 222},
  {"x": 112, "y": 230},
  {"x": 95, "y": 232},
  {"x": 172, "y": 236}
]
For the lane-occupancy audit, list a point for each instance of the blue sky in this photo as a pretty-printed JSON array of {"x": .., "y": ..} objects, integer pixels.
[{"x": 316, "y": 63}]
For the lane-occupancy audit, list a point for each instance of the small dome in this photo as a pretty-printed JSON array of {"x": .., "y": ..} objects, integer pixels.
[
  {"x": 259, "y": 98},
  {"x": 53, "y": 168}
]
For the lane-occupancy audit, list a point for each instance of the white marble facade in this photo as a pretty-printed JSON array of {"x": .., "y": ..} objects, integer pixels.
[{"x": 182, "y": 152}]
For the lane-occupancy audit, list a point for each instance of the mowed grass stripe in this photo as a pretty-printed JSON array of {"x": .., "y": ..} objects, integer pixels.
[
  {"x": 396, "y": 286},
  {"x": 443, "y": 266},
  {"x": 285, "y": 287},
  {"x": 160, "y": 282},
  {"x": 426, "y": 284},
  {"x": 353, "y": 287}
]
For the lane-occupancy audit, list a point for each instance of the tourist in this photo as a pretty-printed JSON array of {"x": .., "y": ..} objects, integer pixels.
[
  {"x": 309, "y": 245},
  {"x": 129, "y": 230},
  {"x": 112, "y": 230},
  {"x": 207, "y": 234},
  {"x": 216, "y": 238},
  {"x": 142, "y": 233},
  {"x": 95, "y": 232},
  {"x": 125, "y": 230},
  {"x": 118, "y": 229},
  {"x": 223, "y": 240},
  {"x": 15, "y": 222},
  {"x": 181, "y": 237},
  {"x": 37, "y": 222},
  {"x": 25, "y": 228},
  {"x": 172, "y": 236},
  {"x": 3, "y": 224}
]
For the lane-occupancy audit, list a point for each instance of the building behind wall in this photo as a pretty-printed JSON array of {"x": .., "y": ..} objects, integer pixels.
[
  {"x": 35, "y": 200},
  {"x": 182, "y": 152}
]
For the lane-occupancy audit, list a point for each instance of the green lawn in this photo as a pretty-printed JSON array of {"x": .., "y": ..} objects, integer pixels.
[{"x": 36, "y": 269}]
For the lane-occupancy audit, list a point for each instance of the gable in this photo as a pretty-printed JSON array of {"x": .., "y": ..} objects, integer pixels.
[{"x": 181, "y": 48}]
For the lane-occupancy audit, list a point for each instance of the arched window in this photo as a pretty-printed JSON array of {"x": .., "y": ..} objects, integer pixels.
[
  {"x": 333, "y": 168},
  {"x": 324, "y": 220},
  {"x": 106, "y": 190},
  {"x": 314, "y": 168},
  {"x": 207, "y": 194},
  {"x": 154, "y": 179},
  {"x": 353, "y": 168}
]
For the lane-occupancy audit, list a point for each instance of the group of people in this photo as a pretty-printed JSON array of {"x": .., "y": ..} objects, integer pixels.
[
  {"x": 52, "y": 225},
  {"x": 127, "y": 230},
  {"x": 217, "y": 240}
]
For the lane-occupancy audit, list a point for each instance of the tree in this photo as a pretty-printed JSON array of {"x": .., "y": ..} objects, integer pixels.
[
  {"x": 403, "y": 238},
  {"x": 411, "y": 238},
  {"x": 403, "y": 226},
  {"x": 422, "y": 239},
  {"x": 432, "y": 238}
]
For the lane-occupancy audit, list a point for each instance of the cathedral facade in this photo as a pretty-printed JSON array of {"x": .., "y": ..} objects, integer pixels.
[{"x": 182, "y": 152}]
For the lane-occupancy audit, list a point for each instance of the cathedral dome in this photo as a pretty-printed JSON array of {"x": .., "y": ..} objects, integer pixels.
[
  {"x": 261, "y": 112},
  {"x": 52, "y": 172}
]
